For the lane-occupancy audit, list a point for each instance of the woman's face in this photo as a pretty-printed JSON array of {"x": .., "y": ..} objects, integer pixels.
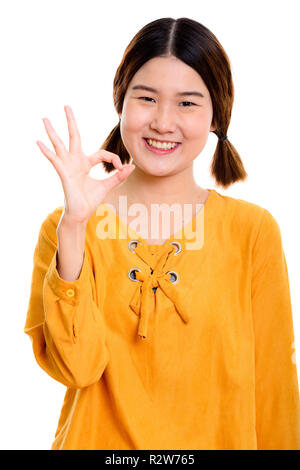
[{"x": 165, "y": 115}]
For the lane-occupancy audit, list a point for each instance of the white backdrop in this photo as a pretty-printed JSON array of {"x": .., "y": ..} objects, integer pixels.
[{"x": 66, "y": 52}]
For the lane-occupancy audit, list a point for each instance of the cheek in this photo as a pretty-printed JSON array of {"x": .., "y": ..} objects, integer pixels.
[
  {"x": 134, "y": 118},
  {"x": 198, "y": 128}
]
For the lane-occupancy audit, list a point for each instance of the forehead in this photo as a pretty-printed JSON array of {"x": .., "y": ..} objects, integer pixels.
[{"x": 168, "y": 74}]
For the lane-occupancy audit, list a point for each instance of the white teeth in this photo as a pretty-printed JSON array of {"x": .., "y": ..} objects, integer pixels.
[{"x": 161, "y": 145}]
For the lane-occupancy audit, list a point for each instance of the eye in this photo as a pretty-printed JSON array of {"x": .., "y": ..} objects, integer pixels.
[
  {"x": 145, "y": 98},
  {"x": 148, "y": 98},
  {"x": 188, "y": 102}
]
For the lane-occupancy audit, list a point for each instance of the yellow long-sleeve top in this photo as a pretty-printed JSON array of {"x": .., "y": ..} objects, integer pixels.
[{"x": 167, "y": 347}]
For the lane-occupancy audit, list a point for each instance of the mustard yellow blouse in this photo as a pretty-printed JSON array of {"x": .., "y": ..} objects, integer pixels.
[{"x": 168, "y": 347}]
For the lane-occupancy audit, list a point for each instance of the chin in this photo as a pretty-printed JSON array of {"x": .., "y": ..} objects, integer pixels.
[{"x": 158, "y": 170}]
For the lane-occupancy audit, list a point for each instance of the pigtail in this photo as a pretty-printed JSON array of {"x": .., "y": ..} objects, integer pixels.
[
  {"x": 227, "y": 166},
  {"x": 113, "y": 143}
]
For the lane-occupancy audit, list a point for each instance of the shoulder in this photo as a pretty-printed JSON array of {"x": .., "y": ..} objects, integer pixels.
[
  {"x": 50, "y": 223},
  {"x": 239, "y": 206},
  {"x": 247, "y": 217}
]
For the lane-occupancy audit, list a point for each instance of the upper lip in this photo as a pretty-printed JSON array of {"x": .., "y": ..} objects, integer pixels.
[{"x": 163, "y": 140}]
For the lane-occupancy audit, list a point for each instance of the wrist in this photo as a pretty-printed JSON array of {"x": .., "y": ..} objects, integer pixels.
[{"x": 68, "y": 223}]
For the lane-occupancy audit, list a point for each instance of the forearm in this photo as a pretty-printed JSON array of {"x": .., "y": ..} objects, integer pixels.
[
  {"x": 70, "y": 248},
  {"x": 66, "y": 325}
]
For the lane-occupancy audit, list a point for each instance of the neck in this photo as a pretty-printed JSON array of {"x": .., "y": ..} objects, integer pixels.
[{"x": 147, "y": 189}]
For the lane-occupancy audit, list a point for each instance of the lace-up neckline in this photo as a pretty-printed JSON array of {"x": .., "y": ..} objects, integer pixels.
[{"x": 176, "y": 235}]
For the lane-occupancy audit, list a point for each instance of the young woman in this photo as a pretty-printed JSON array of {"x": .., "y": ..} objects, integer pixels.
[{"x": 163, "y": 342}]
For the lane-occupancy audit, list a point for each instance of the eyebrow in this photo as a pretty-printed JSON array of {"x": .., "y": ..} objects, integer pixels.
[{"x": 181, "y": 93}]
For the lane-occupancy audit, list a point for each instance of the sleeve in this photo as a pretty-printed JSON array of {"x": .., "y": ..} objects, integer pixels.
[
  {"x": 66, "y": 327},
  {"x": 276, "y": 380}
]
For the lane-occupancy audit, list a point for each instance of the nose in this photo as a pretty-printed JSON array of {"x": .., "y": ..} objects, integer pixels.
[{"x": 163, "y": 120}]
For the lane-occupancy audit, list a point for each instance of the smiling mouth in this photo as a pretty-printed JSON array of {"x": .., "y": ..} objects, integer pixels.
[
  {"x": 162, "y": 141},
  {"x": 160, "y": 150}
]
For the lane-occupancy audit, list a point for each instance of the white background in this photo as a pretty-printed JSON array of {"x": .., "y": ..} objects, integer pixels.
[{"x": 66, "y": 52}]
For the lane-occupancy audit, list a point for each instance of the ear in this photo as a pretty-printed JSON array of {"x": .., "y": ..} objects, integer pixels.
[{"x": 213, "y": 127}]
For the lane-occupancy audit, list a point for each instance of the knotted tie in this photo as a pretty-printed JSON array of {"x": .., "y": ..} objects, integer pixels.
[{"x": 154, "y": 275}]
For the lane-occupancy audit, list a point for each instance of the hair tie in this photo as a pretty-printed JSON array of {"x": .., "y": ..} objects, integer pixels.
[{"x": 223, "y": 138}]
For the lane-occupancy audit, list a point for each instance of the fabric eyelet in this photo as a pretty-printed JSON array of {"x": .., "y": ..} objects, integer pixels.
[
  {"x": 174, "y": 274},
  {"x": 178, "y": 246},
  {"x": 132, "y": 272},
  {"x": 132, "y": 245},
  {"x": 70, "y": 292}
]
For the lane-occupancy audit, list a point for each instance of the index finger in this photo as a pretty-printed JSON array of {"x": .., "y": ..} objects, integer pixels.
[{"x": 74, "y": 136}]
